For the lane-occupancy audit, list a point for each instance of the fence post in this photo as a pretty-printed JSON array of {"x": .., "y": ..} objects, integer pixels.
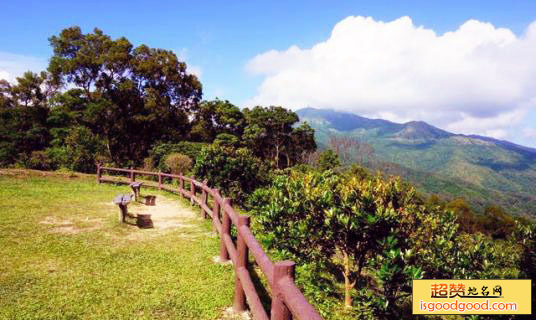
[
  {"x": 132, "y": 175},
  {"x": 225, "y": 230},
  {"x": 279, "y": 309},
  {"x": 241, "y": 262},
  {"x": 159, "y": 180},
  {"x": 204, "y": 199},
  {"x": 215, "y": 211},
  {"x": 192, "y": 191},
  {"x": 181, "y": 185},
  {"x": 98, "y": 173}
]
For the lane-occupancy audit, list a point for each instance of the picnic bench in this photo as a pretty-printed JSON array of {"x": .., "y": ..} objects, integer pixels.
[{"x": 136, "y": 186}]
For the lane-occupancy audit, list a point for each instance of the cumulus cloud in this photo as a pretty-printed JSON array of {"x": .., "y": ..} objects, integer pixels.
[
  {"x": 530, "y": 133},
  {"x": 14, "y": 65},
  {"x": 475, "y": 79}
]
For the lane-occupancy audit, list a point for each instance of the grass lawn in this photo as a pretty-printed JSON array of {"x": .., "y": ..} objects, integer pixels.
[{"x": 64, "y": 256}]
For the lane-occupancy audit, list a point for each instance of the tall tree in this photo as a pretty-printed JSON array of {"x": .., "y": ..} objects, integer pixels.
[
  {"x": 23, "y": 114},
  {"x": 134, "y": 96},
  {"x": 270, "y": 133},
  {"x": 216, "y": 117}
]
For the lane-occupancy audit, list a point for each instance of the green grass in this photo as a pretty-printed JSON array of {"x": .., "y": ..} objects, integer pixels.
[{"x": 101, "y": 270}]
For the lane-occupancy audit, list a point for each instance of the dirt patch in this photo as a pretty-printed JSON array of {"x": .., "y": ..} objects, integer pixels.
[
  {"x": 167, "y": 213},
  {"x": 230, "y": 314},
  {"x": 63, "y": 226}
]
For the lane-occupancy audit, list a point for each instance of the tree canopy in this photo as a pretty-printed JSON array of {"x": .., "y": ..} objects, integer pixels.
[{"x": 129, "y": 96}]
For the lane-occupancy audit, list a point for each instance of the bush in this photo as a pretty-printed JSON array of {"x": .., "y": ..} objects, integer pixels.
[
  {"x": 40, "y": 160},
  {"x": 178, "y": 163},
  {"x": 372, "y": 232},
  {"x": 79, "y": 151},
  {"x": 328, "y": 160},
  {"x": 227, "y": 140},
  {"x": 236, "y": 172},
  {"x": 161, "y": 150}
]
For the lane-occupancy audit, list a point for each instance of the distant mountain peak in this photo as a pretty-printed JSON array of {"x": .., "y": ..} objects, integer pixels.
[{"x": 483, "y": 168}]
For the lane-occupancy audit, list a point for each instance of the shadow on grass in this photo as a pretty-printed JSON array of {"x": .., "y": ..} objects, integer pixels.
[{"x": 261, "y": 285}]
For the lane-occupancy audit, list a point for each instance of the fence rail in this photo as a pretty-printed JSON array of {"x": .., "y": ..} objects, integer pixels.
[{"x": 287, "y": 300}]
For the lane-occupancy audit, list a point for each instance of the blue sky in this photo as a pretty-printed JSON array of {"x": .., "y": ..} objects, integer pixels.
[{"x": 220, "y": 40}]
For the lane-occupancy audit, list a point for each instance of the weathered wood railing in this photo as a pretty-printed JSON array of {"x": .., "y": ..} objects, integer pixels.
[{"x": 287, "y": 299}]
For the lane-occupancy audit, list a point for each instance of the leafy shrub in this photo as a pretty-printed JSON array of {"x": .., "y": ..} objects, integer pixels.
[
  {"x": 178, "y": 163},
  {"x": 79, "y": 151},
  {"x": 227, "y": 140},
  {"x": 349, "y": 217},
  {"x": 41, "y": 161},
  {"x": 236, "y": 172},
  {"x": 328, "y": 160},
  {"x": 370, "y": 227},
  {"x": 148, "y": 164},
  {"x": 161, "y": 150}
]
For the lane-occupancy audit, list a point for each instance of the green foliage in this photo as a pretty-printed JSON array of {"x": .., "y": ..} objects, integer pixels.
[
  {"x": 178, "y": 163},
  {"x": 217, "y": 117},
  {"x": 129, "y": 96},
  {"x": 227, "y": 140},
  {"x": 148, "y": 164},
  {"x": 483, "y": 170},
  {"x": 371, "y": 227},
  {"x": 41, "y": 161},
  {"x": 271, "y": 135},
  {"x": 525, "y": 235},
  {"x": 328, "y": 160},
  {"x": 23, "y": 114},
  {"x": 349, "y": 215},
  {"x": 494, "y": 221},
  {"x": 79, "y": 150},
  {"x": 161, "y": 150},
  {"x": 236, "y": 172}
]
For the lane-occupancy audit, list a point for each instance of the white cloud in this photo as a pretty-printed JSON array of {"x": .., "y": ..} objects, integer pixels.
[
  {"x": 195, "y": 70},
  {"x": 530, "y": 133},
  {"x": 182, "y": 54},
  {"x": 477, "y": 79},
  {"x": 14, "y": 65}
]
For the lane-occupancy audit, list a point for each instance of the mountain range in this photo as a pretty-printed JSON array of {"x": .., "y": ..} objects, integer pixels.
[{"x": 482, "y": 170}]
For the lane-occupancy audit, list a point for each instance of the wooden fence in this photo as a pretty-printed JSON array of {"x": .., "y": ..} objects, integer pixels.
[{"x": 287, "y": 300}]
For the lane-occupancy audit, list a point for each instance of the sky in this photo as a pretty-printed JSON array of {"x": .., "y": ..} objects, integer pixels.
[{"x": 464, "y": 66}]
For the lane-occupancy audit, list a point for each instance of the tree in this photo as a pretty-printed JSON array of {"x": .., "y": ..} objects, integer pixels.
[
  {"x": 23, "y": 114},
  {"x": 78, "y": 151},
  {"x": 217, "y": 117},
  {"x": 302, "y": 144},
  {"x": 525, "y": 234},
  {"x": 330, "y": 219},
  {"x": 159, "y": 152},
  {"x": 236, "y": 172},
  {"x": 178, "y": 163},
  {"x": 350, "y": 149},
  {"x": 271, "y": 135},
  {"x": 131, "y": 97},
  {"x": 327, "y": 160}
]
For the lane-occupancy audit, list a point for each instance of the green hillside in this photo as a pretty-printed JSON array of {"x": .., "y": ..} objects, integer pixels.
[{"x": 481, "y": 169}]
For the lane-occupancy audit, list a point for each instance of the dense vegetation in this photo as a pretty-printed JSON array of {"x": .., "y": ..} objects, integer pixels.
[
  {"x": 483, "y": 170},
  {"x": 362, "y": 238},
  {"x": 359, "y": 237},
  {"x": 102, "y": 100}
]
